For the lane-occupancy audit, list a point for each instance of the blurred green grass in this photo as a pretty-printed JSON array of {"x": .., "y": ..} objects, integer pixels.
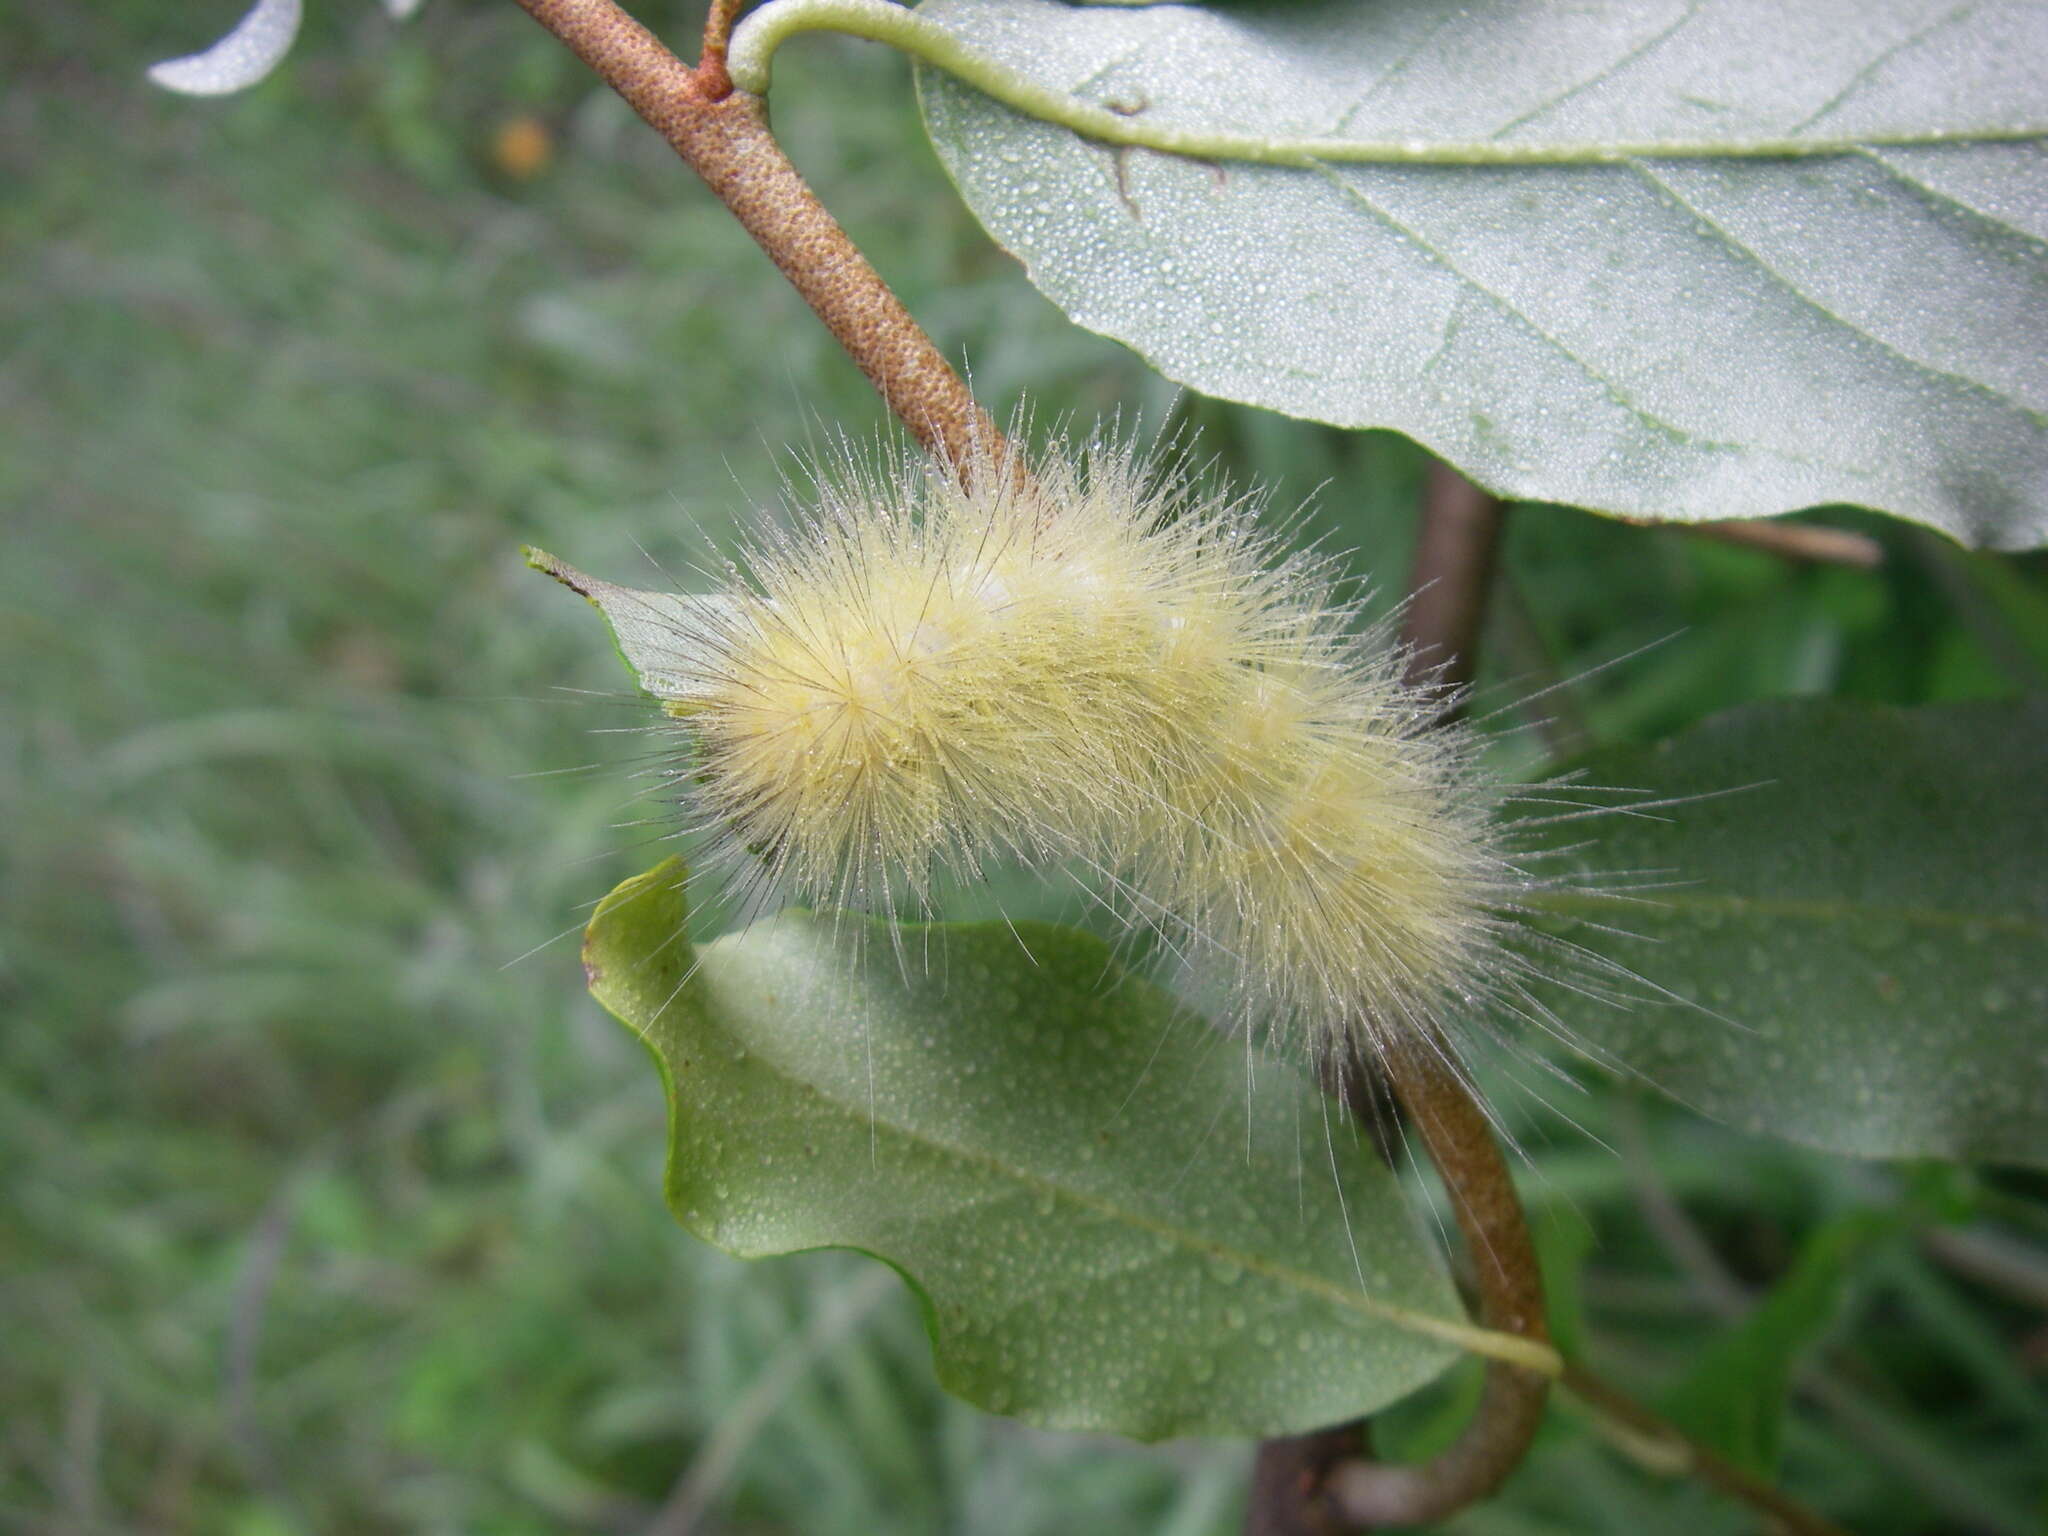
[{"x": 327, "y": 1200}]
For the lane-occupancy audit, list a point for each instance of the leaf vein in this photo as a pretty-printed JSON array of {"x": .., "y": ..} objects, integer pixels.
[
  {"x": 1856, "y": 81},
  {"x": 1748, "y": 254},
  {"x": 1935, "y": 195},
  {"x": 1392, "y": 72},
  {"x": 1647, "y": 46},
  {"x": 1516, "y": 313}
]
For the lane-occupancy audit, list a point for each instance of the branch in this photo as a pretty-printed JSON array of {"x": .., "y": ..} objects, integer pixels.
[
  {"x": 1315, "y": 1484},
  {"x": 1332, "y": 1483},
  {"x": 1679, "y": 1454},
  {"x": 1455, "y": 544},
  {"x": 1288, "y": 1476},
  {"x": 1793, "y": 541},
  {"x": 718, "y": 25},
  {"x": 1440, "y": 1107},
  {"x": 722, "y": 134}
]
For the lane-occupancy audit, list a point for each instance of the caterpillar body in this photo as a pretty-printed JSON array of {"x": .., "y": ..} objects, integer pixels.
[{"x": 1109, "y": 663}]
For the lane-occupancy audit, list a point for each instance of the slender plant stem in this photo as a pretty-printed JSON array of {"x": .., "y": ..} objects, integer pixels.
[
  {"x": 1289, "y": 1475},
  {"x": 711, "y": 68},
  {"x": 1688, "y": 1457},
  {"x": 1455, "y": 545},
  {"x": 722, "y": 134},
  {"x": 1440, "y": 1109},
  {"x": 1792, "y": 541}
]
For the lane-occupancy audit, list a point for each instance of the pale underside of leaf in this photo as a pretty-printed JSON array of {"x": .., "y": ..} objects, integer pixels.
[
  {"x": 652, "y": 630},
  {"x": 1112, "y": 1225},
  {"x": 1778, "y": 257}
]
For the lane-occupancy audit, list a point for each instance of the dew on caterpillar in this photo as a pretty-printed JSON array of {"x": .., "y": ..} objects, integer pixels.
[{"x": 1111, "y": 667}]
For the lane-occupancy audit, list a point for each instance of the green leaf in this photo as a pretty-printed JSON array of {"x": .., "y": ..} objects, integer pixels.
[
  {"x": 1684, "y": 261},
  {"x": 1734, "y": 1396},
  {"x": 1108, "y": 1231},
  {"x": 1863, "y": 923}
]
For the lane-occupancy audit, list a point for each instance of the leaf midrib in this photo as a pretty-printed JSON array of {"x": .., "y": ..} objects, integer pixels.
[{"x": 935, "y": 46}]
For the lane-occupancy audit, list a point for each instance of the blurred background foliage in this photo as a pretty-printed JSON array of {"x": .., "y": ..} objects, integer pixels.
[{"x": 329, "y": 1202}]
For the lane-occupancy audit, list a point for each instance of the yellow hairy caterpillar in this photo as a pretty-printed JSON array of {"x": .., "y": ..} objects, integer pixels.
[{"x": 1109, "y": 663}]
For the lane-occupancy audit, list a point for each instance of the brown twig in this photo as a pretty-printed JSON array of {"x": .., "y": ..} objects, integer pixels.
[
  {"x": 1322, "y": 1483},
  {"x": 718, "y": 25},
  {"x": 1455, "y": 544},
  {"x": 1440, "y": 1108},
  {"x": 1688, "y": 1457},
  {"x": 722, "y": 134},
  {"x": 1793, "y": 541},
  {"x": 1288, "y": 1477}
]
